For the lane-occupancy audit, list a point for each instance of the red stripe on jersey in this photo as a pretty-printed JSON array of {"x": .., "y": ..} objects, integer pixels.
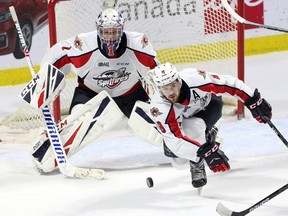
[
  {"x": 190, "y": 140},
  {"x": 79, "y": 61},
  {"x": 221, "y": 89},
  {"x": 62, "y": 62},
  {"x": 175, "y": 129},
  {"x": 145, "y": 59},
  {"x": 173, "y": 123}
]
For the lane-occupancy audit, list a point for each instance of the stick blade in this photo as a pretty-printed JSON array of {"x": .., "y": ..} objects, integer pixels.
[
  {"x": 86, "y": 173},
  {"x": 83, "y": 173},
  {"x": 223, "y": 211}
]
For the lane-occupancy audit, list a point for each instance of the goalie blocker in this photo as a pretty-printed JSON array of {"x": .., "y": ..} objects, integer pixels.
[{"x": 44, "y": 86}]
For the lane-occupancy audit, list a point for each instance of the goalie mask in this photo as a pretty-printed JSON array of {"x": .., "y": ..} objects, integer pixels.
[{"x": 110, "y": 30}]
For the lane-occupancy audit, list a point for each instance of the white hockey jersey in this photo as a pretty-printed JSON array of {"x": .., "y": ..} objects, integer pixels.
[
  {"x": 198, "y": 87},
  {"x": 97, "y": 72}
]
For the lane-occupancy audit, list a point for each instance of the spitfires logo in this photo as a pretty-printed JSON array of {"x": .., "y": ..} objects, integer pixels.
[{"x": 112, "y": 78}]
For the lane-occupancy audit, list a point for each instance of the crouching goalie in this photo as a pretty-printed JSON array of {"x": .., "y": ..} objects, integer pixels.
[
  {"x": 86, "y": 122},
  {"x": 81, "y": 127}
]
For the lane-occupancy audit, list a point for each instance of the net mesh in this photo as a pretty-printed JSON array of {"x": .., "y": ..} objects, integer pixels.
[{"x": 187, "y": 33}]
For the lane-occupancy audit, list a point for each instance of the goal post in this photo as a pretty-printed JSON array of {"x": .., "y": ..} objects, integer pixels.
[
  {"x": 240, "y": 55},
  {"x": 187, "y": 33},
  {"x": 53, "y": 40}
]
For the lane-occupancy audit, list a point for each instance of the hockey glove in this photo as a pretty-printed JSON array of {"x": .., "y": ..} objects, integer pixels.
[
  {"x": 259, "y": 107},
  {"x": 214, "y": 157}
]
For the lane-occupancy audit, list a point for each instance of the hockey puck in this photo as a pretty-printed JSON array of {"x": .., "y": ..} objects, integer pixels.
[{"x": 149, "y": 182}]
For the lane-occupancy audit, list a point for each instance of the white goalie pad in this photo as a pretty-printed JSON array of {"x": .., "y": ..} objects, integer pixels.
[
  {"x": 98, "y": 115},
  {"x": 141, "y": 124},
  {"x": 80, "y": 128},
  {"x": 44, "y": 87}
]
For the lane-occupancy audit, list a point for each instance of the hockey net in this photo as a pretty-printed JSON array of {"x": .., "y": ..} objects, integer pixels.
[{"x": 187, "y": 33}]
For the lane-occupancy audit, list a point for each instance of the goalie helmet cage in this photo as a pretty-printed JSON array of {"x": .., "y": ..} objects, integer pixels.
[
  {"x": 187, "y": 33},
  {"x": 218, "y": 48}
]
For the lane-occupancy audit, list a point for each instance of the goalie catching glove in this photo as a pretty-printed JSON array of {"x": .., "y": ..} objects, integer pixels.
[
  {"x": 214, "y": 157},
  {"x": 259, "y": 107}
]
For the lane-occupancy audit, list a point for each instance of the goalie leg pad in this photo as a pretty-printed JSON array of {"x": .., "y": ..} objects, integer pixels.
[
  {"x": 141, "y": 124},
  {"x": 41, "y": 154},
  {"x": 80, "y": 128}
]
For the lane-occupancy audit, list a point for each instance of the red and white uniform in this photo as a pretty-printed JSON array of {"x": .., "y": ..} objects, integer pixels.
[
  {"x": 117, "y": 75},
  {"x": 197, "y": 87}
]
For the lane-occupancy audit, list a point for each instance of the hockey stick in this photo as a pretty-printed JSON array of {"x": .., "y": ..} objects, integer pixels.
[
  {"x": 223, "y": 211},
  {"x": 244, "y": 21},
  {"x": 65, "y": 167},
  {"x": 276, "y": 130}
]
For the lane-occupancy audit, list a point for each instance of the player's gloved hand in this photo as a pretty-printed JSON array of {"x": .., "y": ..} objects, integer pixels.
[
  {"x": 214, "y": 157},
  {"x": 259, "y": 107}
]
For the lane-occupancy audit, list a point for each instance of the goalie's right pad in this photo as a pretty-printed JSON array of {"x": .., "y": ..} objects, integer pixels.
[
  {"x": 44, "y": 87},
  {"x": 80, "y": 128}
]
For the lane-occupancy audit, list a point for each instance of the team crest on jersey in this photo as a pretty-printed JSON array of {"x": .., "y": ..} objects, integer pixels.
[
  {"x": 78, "y": 43},
  {"x": 155, "y": 112},
  {"x": 202, "y": 73},
  {"x": 112, "y": 78},
  {"x": 144, "y": 41}
]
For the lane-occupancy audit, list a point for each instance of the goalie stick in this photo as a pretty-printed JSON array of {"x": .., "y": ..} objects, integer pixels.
[
  {"x": 223, "y": 211},
  {"x": 244, "y": 21},
  {"x": 65, "y": 167}
]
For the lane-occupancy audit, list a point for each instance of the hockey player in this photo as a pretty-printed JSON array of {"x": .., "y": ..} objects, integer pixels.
[
  {"x": 108, "y": 59},
  {"x": 186, "y": 107}
]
